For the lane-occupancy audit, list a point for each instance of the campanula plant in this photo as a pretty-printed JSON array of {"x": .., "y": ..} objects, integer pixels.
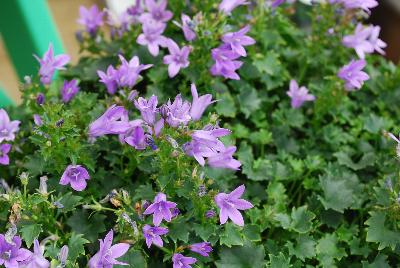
[{"x": 207, "y": 133}]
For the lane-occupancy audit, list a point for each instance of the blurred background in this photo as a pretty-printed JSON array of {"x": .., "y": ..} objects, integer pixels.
[{"x": 64, "y": 13}]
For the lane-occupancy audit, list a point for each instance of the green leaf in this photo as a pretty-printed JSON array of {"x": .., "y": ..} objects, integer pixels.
[
  {"x": 337, "y": 195},
  {"x": 252, "y": 232},
  {"x": 76, "y": 246},
  {"x": 367, "y": 159},
  {"x": 204, "y": 231},
  {"x": 30, "y": 232},
  {"x": 70, "y": 201},
  {"x": 301, "y": 219},
  {"x": 226, "y": 105},
  {"x": 134, "y": 258},
  {"x": 328, "y": 250},
  {"x": 179, "y": 230},
  {"x": 279, "y": 261},
  {"x": 379, "y": 262},
  {"x": 231, "y": 236},
  {"x": 248, "y": 100},
  {"x": 304, "y": 249},
  {"x": 374, "y": 124},
  {"x": 377, "y": 232},
  {"x": 90, "y": 227},
  {"x": 248, "y": 256}
]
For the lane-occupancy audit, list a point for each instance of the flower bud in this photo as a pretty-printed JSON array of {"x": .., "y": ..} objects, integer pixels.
[{"x": 40, "y": 99}]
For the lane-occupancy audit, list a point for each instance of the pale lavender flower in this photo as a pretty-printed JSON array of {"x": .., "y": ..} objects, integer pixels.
[
  {"x": 128, "y": 72},
  {"x": 157, "y": 10},
  {"x": 147, "y": 108},
  {"x": 188, "y": 28},
  {"x": 178, "y": 112},
  {"x": 230, "y": 204},
  {"x": 119, "y": 23},
  {"x": 199, "y": 104},
  {"x": 238, "y": 40},
  {"x": 137, "y": 138},
  {"x": 363, "y": 4},
  {"x": 76, "y": 176},
  {"x": 225, "y": 63},
  {"x": 135, "y": 10},
  {"x": 109, "y": 79},
  {"x": 152, "y": 36},
  {"x": 224, "y": 159},
  {"x": 177, "y": 58},
  {"x": 161, "y": 209},
  {"x": 353, "y": 75},
  {"x": 180, "y": 261},
  {"x": 37, "y": 120},
  {"x": 91, "y": 18},
  {"x": 227, "y": 6},
  {"x": 63, "y": 255},
  {"x": 8, "y": 128},
  {"x": 36, "y": 260},
  {"x": 107, "y": 254},
  {"x": 113, "y": 121},
  {"x": 12, "y": 255},
  {"x": 69, "y": 90},
  {"x": 50, "y": 63},
  {"x": 377, "y": 43},
  {"x": 4, "y": 150},
  {"x": 298, "y": 95},
  {"x": 152, "y": 235},
  {"x": 203, "y": 248}
]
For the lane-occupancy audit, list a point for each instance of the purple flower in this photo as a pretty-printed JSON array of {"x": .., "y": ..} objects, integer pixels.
[
  {"x": 210, "y": 214},
  {"x": 237, "y": 40},
  {"x": 205, "y": 143},
  {"x": 36, "y": 260},
  {"x": 40, "y": 98},
  {"x": 37, "y": 120},
  {"x": 161, "y": 209},
  {"x": 91, "y": 18},
  {"x": 224, "y": 159},
  {"x": 377, "y": 43},
  {"x": 353, "y": 75},
  {"x": 152, "y": 235},
  {"x": 49, "y": 64},
  {"x": 147, "y": 108},
  {"x": 4, "y": 150},
  {"x": 227, "y": 6},
  {"x": 113, "y": 121},
  {"x": 178, "y": 112},
  {"x": 137, "y": 138},
  {"x": 152, "y": 36},
  {"x": 157, "y": 11},
  {"x": 12, "y": 255},
  {"x": 188, "y": 27},
  {"x": 109, "y": 79},
  {"x": 69, "y": 90},
  {"x": 7, "y": 128},
  {"x": 76, "y": 175},
  {"x": 107, "y": 254},
  {"x": 363, "y": 4},
  {"x": 203, "y": 248},
  {"x": 63, "y": 255},
  {"x": 199, "y": 104},
  {"x": 180, "y": 261},
  {"x": 298, "y": 95},
  {"x": 119, "y": 23},
  {"x": 128, "y": 72},
  {"x": 177, "y": 58},
  {"x": 225, "y": 63},
  {"x": 230, "y": 204},
  {"x": 136, "y": 9}
]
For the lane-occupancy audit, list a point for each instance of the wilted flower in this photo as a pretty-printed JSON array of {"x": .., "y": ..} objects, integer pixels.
[
  {"x": 230, "y": 204},
  {"x": 238, "y": 40},
  {"x": 4, "y": 150},
  {"x": 178, "y": 112},
  {"x": 161, "y": 209},
  {"x": 107, "y": 254},
  {"x": 199, "y": 104},
  {"x": 91, "y": 18},
  {"x": 37, "y": 120},
  {"x": 63, "y": 255},
  {"x": 113, "y": 121},
  {"x": 7, "y": 128},
  {"x": 152, "y": 235},
  {"x": 76, "y": 175},
  {"x": 12, "y": 255},
  {"x": 50, "y": 63},
  {"x": 43, "y": 185},
  {"x": 69, "y": 90},
  {"x": 353, "y": 75},
  {"x": 109, "y": 79},
  {"x": 177, "y": 58},
  {"x": 298, "y": 95},
  {"x": 36, "y": 260},
  {"x": 180, "y": 261},
  {"x": 227, "y": 6},
  {"x": 203, "y": 248}
]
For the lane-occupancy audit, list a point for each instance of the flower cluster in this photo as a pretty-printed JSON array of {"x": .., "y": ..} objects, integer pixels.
[{"x": 8, "y": 130}]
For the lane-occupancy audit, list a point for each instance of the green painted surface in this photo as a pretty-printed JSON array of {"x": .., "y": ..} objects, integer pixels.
[{"x": 4, "y": 99}]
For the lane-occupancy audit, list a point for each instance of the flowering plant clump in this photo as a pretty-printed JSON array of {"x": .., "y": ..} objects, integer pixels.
[{"x": 207, "y": 133}]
